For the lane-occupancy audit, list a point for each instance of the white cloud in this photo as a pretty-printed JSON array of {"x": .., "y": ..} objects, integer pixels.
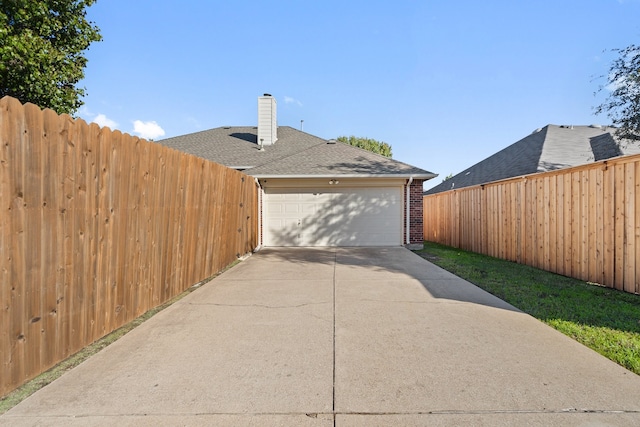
[
  {"x": 100, "y": 119},
  {"x": 290, "y": 100},
  {"x": 103, "y": 121},
  {"x": 85, "y": 113},
  {"x": 147, "y": 130}
]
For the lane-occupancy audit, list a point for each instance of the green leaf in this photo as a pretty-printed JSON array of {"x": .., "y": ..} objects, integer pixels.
[{"x": 42, "y": 44}]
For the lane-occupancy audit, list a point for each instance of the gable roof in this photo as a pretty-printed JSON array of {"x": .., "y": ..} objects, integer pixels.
[
  {"x": 295, "y": 154},
  {"x": 549, "y": 148}
]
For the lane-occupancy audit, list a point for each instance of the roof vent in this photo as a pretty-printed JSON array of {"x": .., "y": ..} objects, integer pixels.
[
  {"x": 596, "y": 126},
  {"x": 331, "y": 141}
]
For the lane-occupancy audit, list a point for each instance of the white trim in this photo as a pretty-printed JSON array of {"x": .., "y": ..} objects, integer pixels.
[
  {"x": 355, "y": 175},
  {"x": 260, "y": 201},
  {"x": 334, "y": 181}
]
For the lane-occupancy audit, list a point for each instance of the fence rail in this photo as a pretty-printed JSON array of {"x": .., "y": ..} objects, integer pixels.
[
  {"x": 582, "y": 222},
  {"x": 97, "y": 227}
]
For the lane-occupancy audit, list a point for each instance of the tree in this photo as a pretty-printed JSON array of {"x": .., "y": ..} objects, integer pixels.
[
  {"x": 368, "y": 144},
  {"x": 41, "y": 51},
  {"x": 623, "y": 102}
]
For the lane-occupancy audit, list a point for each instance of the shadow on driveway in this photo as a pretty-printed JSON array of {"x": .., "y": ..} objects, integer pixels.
[{"x": 388, "y": 263}]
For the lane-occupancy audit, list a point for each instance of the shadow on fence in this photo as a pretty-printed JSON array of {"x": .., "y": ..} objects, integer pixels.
[{"x": 97, "y": 227}]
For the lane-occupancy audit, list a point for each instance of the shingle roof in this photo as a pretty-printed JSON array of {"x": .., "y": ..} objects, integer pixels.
[
  {"x": 237, "y": 146},
  {"x": 295, "y": 153},
  {"x": 550, "y": 148}
]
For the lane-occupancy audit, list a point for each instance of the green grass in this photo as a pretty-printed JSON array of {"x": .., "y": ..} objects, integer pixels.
[{"x": 603, "y": 319}]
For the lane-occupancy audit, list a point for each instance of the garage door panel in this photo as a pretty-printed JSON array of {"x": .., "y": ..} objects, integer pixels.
[{"x": 333, "y": 217}]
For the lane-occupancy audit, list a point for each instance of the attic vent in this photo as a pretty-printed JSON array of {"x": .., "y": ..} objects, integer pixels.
[
  {"x": 537, "y": 130},
  {"x": 331, "y": 141},
  {"x": 226, "y": 127},
  {"x": 596, "y": 126},
  {"x": 566, "y": 127}
]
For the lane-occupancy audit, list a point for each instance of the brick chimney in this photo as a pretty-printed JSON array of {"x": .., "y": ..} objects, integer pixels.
[{"x": 267, "y": 123}]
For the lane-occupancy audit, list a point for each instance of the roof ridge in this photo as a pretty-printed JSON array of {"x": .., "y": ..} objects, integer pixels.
[{"x": 375, "y": 154}]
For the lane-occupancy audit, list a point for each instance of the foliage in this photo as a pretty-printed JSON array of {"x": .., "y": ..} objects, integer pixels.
[
  {"x": 603, "y": 319},
  {"x": 41, "y": 51},
  {"x": 368, "y": 144},
  {"x": 448, "y": 177},
  {"x": 623, "y": 102}
]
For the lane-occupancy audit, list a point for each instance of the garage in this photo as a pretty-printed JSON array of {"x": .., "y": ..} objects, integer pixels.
[
  {"x": 313, "y": 191},
  {"x": 333, "y": 216}
]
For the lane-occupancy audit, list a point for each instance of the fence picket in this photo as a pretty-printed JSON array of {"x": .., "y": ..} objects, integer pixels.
[
  {"x": 636, "y": 246},
  {"x": 97, "y": 227},
  {"x": 582, "y": 222},
  {"x": 630, "y": 228}
]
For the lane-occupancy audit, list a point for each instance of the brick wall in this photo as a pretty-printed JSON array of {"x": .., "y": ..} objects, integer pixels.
[
  {"x": 416, "y": 217},
  {"x": 416, "y": 228}
]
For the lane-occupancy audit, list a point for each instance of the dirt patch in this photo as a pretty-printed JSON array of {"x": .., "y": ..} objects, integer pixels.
[{"x": 429, "y": 257}]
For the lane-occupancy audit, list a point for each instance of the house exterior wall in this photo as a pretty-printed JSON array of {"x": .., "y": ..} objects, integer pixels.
[
  {"x": 416, "y": 218},
  {"x": 416, "y": 229},
  {"x": 358, "y": 185}
]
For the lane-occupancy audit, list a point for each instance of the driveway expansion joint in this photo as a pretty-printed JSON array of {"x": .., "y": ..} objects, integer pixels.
[
  {"x": 399, "y": 341},
  {"x": 567, "y": 411}
]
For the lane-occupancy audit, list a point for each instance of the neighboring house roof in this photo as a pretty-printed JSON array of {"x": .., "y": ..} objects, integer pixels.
[
  {"x": 295, "y": 154},
  {"x": 549, "y": 148}
]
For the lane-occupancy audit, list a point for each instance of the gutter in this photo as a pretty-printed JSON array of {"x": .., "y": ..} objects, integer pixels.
[
  {"x": 257, "y": 248},
  {"x": 424, "y": 176}
]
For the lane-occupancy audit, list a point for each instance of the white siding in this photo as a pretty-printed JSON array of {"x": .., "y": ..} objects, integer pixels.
[{"x": 267, "y": 123}]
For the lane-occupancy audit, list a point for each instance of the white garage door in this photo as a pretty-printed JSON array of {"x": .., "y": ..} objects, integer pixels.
[{"x": 333, "y": 217}]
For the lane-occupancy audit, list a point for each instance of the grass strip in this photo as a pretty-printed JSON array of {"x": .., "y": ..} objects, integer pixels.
[
  {"x": 18, "y": 395},
  {"x": 605, "y": 320}
]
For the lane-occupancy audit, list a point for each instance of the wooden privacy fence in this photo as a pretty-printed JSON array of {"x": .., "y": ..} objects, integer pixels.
[
  {"x": 97, "y": 227},
  {"x": 582, "y": 222}
]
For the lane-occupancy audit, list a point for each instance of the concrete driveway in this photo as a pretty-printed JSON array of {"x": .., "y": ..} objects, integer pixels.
[{"x": 346, "y": 337}]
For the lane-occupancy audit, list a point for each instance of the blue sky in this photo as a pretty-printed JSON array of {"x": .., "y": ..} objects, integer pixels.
[{"x": 446, "y": 83}]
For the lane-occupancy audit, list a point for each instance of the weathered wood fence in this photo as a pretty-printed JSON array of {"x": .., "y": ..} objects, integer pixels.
[
  {"x": 582, "y": 222},
  {"x": 97, "y": 227}
]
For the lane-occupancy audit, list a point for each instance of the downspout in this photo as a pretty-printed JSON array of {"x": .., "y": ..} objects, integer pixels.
[
  {"x": 408, "y": 229},
  {"x": 259, "y": 216}
]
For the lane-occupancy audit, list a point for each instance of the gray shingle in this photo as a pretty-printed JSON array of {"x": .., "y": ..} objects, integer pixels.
[
  {"x": 295, "y": 153},
  {"x": 604, "y": 147},
  {"x": 550, "y": 148},
  {"x": 237, "y": 146}
]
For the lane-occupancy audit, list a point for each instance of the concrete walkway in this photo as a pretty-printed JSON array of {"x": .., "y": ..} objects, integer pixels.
[{"x": 346, "y": 337}]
